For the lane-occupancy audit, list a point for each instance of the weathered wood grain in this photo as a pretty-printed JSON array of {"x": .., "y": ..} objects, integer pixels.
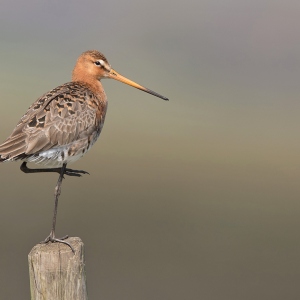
[{"x": 56, "y": 273}]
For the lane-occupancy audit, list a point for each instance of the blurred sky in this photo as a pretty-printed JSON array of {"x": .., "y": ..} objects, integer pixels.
[{"x": 196, "y": 198}]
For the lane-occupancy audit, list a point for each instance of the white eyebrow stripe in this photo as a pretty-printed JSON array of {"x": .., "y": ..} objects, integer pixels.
[{"x": 104, "y": 64}]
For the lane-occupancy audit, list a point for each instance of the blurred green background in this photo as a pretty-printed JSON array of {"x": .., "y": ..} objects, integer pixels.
[{"x": 196, "y": 198}]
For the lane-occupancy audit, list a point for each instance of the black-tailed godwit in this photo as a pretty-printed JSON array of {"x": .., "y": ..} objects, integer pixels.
[{"x": 63, "y": 124}]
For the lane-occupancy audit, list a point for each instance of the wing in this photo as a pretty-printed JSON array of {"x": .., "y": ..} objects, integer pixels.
[{"x": 59, "y": 117}]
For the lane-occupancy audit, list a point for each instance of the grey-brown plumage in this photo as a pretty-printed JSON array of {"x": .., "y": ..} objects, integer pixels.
[{"x": 58, "y": 128}]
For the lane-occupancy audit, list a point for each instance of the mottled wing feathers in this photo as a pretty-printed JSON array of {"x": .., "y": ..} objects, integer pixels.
[{"x": 62, "y": 116}]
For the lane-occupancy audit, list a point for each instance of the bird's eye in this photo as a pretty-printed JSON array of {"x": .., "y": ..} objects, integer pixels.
[{"x": 97, "y": 63}]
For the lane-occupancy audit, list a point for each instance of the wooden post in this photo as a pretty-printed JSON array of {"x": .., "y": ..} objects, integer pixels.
[{"x": 56, "y": 273}]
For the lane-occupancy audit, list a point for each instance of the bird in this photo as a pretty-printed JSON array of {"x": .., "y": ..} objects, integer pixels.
[{"x": 62, "y": 125}]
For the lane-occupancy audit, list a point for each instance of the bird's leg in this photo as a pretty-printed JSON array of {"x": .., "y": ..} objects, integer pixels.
[
  {"x": 62, "y": 171},
  {"x": 69, "y": 172},
  {"x": 51, "y": 237}
]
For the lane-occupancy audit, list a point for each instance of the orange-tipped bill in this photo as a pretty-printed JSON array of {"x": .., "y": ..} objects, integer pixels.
[{"x": 115, "y": 75}]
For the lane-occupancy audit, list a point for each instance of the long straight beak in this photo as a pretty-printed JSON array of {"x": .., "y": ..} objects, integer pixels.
[{"x": 115, "y": 75}]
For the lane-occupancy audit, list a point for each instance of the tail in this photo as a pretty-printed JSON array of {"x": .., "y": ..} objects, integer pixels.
[
  {"x": 2, "y": 158},
  {"x": 12, "y": 148}
]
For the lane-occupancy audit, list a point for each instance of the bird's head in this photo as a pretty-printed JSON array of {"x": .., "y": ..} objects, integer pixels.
[{"x": 93, "y": 65}]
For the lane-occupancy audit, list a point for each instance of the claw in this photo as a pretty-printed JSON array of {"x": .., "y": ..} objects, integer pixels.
[
  {"x": 53, "y": 239},
  {"x": 77, "y": 173}
]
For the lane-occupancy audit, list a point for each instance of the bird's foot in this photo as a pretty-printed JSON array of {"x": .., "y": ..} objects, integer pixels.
[
  {"x": 51, "y": 238},
  {"x": 71, "y": 172}
]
